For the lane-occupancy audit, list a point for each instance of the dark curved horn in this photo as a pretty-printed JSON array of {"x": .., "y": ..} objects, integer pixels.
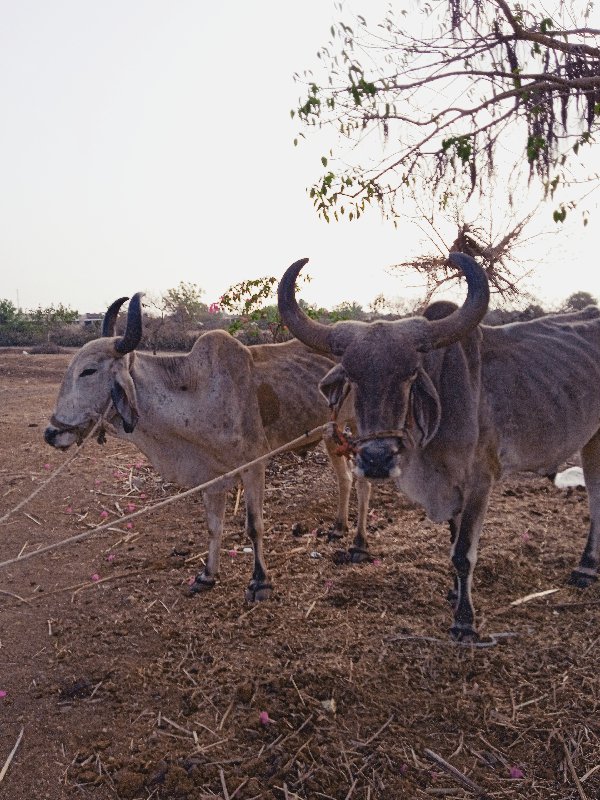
[
  {"x": 446, "y": 331},
  {"x": 133, "y": 333},
  {"x": 300, "y": 325},
  {"x": 110, "y": 318}
]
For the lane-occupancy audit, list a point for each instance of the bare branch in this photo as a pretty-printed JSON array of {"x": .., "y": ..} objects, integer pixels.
[{"x": 489, "y": 81}]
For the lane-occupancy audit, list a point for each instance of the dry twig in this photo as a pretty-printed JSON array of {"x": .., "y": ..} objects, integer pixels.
[
  {"x": 574, "y": 775},
  {"x": 456, "y": 774},
  {"x": 11, "y": 755}
]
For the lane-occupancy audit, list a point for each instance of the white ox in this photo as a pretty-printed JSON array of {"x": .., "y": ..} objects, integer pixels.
[{"x": 200, "y": 415}]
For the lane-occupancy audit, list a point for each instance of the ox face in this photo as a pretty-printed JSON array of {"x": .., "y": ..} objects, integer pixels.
[
  {"x": 98, "y": 375},
  {"x": 381, "y": 407},
  {"x": 95, "y": 376},
  {"x": 396, "y": 406}
]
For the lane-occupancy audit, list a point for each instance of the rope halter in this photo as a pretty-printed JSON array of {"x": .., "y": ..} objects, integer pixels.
[
  {"x": 83, "y": 430},
  {"x": 349, "y": 446}
]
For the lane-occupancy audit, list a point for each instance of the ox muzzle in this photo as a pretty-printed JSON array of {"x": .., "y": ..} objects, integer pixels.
[
  {"x": 62, "y": 438},
  {"x": 376, "y": 456},
  {"x": 379, "y": 458},
  {"x": 61, "y": 435}
]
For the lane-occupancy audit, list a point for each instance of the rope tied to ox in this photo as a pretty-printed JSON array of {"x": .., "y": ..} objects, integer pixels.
[
  {"x": 312, "y": 436},
  {"x": 97, "y": 428},
  {"x": 348, "y": 445}
]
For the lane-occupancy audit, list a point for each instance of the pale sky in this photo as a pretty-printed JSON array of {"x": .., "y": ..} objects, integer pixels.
[{"x": 148, "y": 142}]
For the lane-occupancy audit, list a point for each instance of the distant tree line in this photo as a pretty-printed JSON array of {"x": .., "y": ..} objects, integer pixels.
[
  {"x": 40, "y": 325},
  {"x": 247, "y": 310}
]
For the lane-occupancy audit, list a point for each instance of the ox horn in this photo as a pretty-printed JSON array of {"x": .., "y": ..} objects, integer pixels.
[
  {"x": 110, "y": 318},
  {"x": 446, "y": 331},
  {"x": 133, "y": 333},
  {"x": 300, "y": 325}
]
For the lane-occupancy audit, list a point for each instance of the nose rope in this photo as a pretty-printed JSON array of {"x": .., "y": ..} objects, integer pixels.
[
  {"x": 62, "y": 426},
  {"x": 98, "y": 426},
  {"x": 348, "y": 446},
  {"x": 99, "y": 420}
]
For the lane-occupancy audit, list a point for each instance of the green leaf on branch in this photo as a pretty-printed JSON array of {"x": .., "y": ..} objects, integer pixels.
[
  {"x": 559, "y": 215},
  {"x": 535, "y": 145}
]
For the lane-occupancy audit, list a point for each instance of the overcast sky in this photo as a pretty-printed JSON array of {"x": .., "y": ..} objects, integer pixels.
[{"x": 148, "y": 142}]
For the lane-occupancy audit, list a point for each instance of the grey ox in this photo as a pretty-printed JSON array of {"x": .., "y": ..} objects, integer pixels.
[
  {"x": 200, "y": 415},
  {"x": 446, "y": 406}
]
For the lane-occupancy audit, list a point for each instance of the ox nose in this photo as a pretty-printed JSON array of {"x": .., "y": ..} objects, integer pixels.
[
  {"x": 50, "y": 435},
  {"x": 378, "y": 460}
]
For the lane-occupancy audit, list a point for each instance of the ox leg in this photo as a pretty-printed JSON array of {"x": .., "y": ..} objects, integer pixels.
[
  {"x": 260, "y": 586},
  {"x": 343, "y": 475},
  {"x": 359, "y": 551},
  {"x": 587, "y": 571},
  {"x": 454, "y": 525},
  {"x": 464, "y": 558},
  {"x": 214, "y": 504}
]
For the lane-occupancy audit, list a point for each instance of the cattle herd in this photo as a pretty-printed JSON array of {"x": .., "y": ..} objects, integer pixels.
[{"x": 439, "y": 403}]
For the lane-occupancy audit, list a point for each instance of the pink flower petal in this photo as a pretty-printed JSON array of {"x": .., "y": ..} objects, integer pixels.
[
  {"x": 515, "y": 772},
  {"x": 142, "y": 497},
  {"x": 377, "y": 562},
  {"x": 104, "y": 514},
  {"x": 129, "y": 525},
  {"x": 3, "y": 693},
  {"x": 191, "y": 581},
  {"x": 69, "y": 510},
  {"x": 95, "y": 577},
  {"x": 110, "y": 557},
  {"x": 264, "y": 718},
  {"x": 131, "y": 507},
  {"x": 46, "y": 466},
  {"x": 233, "y": 553}
]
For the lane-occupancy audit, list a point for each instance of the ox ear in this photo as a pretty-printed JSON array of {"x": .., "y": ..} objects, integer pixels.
[
  {"x": 335, "y": 387},
  {"x": 426, "y": 408},
  {"x": 125, "y": 401}
]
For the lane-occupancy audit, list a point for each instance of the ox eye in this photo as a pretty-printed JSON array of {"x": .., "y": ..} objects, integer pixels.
[{"x": 86, "y": 372}]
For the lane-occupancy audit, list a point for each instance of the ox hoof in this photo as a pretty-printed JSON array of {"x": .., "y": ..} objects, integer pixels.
[
  {"x": 581, "y": 579},
  {"x": 202, "y": 584},
  {"x": 257, "y": 592},
  {"x": 462, "y": 632},
  {"x": 352, "y": 556},
  {"x": 356, "y": 555}
]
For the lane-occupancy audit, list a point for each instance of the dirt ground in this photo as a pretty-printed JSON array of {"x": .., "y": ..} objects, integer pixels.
[{"x": 344, "y": 685}]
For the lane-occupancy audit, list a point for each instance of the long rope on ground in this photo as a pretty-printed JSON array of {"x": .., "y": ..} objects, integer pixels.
[
  {"x": 175, "y": 498},
  {"x": 59, "y": 469}
]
